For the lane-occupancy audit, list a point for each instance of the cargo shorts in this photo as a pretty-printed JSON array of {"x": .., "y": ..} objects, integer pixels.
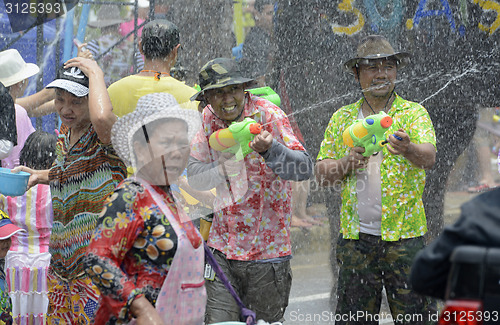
[
  {"x": 367, "y": 266},
  {"x": 263, "y": 287}
]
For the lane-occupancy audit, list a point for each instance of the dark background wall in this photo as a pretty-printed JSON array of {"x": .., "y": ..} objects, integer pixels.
[
  {"x": 455, "y": 67},
  {"x": 455, "y": 70}
]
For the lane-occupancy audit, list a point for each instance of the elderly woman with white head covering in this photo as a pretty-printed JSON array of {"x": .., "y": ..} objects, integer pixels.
[{"x": 145, "y": 251}]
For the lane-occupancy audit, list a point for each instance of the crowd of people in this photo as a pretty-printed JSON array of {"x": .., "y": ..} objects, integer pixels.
[{"x": 101, "y": 235}]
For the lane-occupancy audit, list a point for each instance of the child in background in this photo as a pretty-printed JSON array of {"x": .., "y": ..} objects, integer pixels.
[
  {"x": 7, "y": 230},
  {"x": 28, "y": 260}
]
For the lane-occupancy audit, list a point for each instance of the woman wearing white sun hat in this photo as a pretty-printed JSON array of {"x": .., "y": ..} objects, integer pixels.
[{"x": 14, "y": 74}]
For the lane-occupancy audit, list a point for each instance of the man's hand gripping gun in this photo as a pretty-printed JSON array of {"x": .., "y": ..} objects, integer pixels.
[
  {"x": 369, "y": 133},
  {"x": 236, "y": 138}
]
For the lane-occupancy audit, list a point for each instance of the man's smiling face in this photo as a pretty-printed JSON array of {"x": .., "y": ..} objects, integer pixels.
[{"x": 227, "y": 102}]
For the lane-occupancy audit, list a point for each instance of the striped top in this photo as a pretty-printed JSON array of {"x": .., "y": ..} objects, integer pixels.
[
  {"x": 33, "y": 213},
  {"x": 81, "y": 178}
]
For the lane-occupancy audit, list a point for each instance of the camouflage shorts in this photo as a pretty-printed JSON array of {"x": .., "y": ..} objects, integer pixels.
[{"x": 366, "y": 266}]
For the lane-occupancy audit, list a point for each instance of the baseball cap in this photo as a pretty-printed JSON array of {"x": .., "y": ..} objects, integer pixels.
[
  {"x": 7, "y": 228},
  {"x": 72, "y": 80}
]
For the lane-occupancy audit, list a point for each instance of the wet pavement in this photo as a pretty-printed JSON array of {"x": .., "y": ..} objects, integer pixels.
[
  {"x": 312, "y": 276},
  {"x": 312, "y": 273}
]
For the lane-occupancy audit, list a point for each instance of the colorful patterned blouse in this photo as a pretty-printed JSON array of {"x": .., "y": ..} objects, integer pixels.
[
  {"x": 403, "y": 214},
  {"x": 80, "y": 179},
  {"x": 132, "y": 249},
  {"x": 257, "y": 225}
]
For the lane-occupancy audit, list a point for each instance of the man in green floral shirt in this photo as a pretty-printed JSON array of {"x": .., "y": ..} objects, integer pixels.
[{"x": 382, "y": 215}]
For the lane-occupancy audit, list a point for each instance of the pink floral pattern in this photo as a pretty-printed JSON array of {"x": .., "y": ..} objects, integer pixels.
[{"x": 253, "y": 209}]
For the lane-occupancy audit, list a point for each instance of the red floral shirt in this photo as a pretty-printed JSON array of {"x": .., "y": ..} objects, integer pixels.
[
  {"x": 132, "y": 249},
  {"x": 252, "y": 210}
]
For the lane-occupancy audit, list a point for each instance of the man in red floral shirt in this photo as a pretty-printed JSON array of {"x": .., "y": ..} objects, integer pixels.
[{"x": 250, "y": 234}]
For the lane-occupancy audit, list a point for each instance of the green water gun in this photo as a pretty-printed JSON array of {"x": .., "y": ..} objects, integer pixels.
[
  {"x": 267, "y": 93},
  {"x": 236, "y": 138},
  {"x": 368, "y": 133}
]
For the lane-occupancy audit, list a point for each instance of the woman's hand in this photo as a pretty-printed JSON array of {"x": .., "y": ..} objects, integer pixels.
[
  {"x": 83, "y": 52},
  {"x": 144, "y": 312},
  {"x": 37, "y": 176},
  {"x": 89, "y": 67}
]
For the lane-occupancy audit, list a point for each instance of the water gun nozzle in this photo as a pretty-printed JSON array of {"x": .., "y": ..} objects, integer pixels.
[
  {"x": 255, "y": 128},
  {"x": 386, "y": 122}
]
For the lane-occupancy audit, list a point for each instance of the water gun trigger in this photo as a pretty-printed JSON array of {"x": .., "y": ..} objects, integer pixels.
[{"x": 382, "y": 143}]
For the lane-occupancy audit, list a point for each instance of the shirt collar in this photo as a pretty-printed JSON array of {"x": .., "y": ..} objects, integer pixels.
[{"x": 396, "y": 105}]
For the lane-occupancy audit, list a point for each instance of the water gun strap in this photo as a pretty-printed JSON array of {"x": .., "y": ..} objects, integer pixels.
[{"x": 248, "y": 314}]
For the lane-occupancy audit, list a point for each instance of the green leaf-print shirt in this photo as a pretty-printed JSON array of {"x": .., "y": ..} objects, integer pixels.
[{"x": 403, "y": 214}]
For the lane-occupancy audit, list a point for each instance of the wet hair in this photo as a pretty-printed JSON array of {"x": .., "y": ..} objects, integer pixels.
[
  {"x": 259, "y": 4},
  {"x": 159, "y": 37},
  {"x": 39, "y": 150}
]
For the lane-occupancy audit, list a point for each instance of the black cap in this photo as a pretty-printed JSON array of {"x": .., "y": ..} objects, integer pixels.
[{"x": 72, "y": 80}]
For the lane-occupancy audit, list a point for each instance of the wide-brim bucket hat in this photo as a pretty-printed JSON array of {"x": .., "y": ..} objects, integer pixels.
[
  {"x": 375, "y": 47},
  {"x": 14, "y": 69},
  {"x": 150, "y": 108},
  {"x": 219, "y": 73},
  {"x": 107, "y": 15}
]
